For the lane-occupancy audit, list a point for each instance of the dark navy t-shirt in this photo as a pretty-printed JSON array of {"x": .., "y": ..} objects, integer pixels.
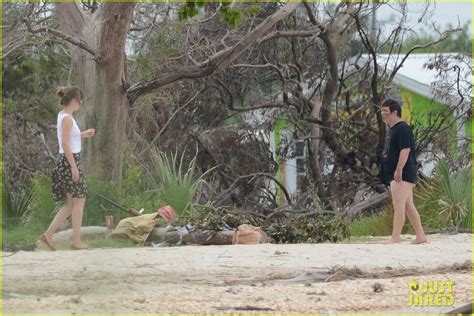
[{"x": 400, "y": 137}]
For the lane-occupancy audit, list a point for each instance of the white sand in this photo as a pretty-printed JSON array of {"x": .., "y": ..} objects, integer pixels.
[{"x": 222, "y": 279}]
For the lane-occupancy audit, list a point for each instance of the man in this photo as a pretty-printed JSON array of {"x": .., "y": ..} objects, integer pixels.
[{"x": 399, "y": 171}]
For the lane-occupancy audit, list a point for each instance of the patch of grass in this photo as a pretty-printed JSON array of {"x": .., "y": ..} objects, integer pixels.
[
  {"x": 110, "y": 243},
  {"x": 21, "y": 235},
  {"x": 379, "y": 224}
]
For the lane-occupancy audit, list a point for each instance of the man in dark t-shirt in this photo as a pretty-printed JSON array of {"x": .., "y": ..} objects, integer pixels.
[{"x": 399, "y": 171}]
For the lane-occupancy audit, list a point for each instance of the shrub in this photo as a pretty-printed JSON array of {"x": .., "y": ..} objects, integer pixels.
[{"x": 174, "y": 183}]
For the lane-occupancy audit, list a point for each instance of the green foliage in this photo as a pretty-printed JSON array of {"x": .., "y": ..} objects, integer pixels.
[
  {"x": 21, "y": 235},
  {"x": 144, "y": 68},
  {"x": 109, "y": 243},
  {"x": 130, "y": 193},
  {"x": 190, "y": 9},
  {"x": 379, "y": 224},
  {"x": 174, "y": 183},
  {"x": 450, "y": 193},
  {"x": 42, "y": 205},
  {"x": 27, "y": 75},
  {"x": 14, "y": 205},
  {"x": 254, "y": 9},
  {"x": 232, "y": 16}
]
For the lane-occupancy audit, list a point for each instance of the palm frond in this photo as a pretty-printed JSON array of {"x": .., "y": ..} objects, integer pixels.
[{"x": 174, "y": 182}]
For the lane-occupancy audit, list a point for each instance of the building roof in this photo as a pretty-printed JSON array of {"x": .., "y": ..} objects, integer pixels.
[{"x": 415, "y": 76}]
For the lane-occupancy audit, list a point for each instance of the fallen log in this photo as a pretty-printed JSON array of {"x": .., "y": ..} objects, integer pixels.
[
  {"x": 373, "y": 203},
  {"x": 86, "y": 232},
  {"x": 158, "y": 235},
  {"x": 204, "y": 237}
]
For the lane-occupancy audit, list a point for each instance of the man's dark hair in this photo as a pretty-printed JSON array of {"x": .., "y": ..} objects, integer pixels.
[{"x": 393, "y": 105}]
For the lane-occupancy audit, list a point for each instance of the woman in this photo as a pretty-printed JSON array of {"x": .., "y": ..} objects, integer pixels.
[{"x": 68, "y": 180}]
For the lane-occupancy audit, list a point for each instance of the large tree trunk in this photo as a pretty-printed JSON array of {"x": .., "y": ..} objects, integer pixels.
[
  {"x": 106, "y": 105},
  {"x": 108, "y": 113}
]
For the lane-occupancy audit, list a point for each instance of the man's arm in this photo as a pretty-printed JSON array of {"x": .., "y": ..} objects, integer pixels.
[{"x": 402, "y": 160}]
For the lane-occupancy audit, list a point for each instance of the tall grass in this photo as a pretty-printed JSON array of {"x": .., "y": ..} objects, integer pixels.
[{"x": 14, "y": 205}]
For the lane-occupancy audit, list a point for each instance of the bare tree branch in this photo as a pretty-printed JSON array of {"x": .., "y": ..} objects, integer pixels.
[
  {"x": 216, "y": 62},
  {"x": 289, "y": 34},
  {"x": 57, "y": 33},
  {"x": 444, "y": 35}
]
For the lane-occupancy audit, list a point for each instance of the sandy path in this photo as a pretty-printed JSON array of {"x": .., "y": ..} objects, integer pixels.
[{"x": 223, "y": 279}]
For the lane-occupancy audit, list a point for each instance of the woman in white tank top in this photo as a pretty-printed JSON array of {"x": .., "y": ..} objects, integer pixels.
[{"x": 68, "y": 179}]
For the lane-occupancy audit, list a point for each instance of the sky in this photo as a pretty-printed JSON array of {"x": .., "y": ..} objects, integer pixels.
[{"x": 442, "y": 13}]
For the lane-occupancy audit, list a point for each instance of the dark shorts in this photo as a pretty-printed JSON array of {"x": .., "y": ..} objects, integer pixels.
[{"x": 62, "y": 179}]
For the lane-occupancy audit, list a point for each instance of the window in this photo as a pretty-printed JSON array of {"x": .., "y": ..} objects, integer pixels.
[{"x": 300, "y": 157}]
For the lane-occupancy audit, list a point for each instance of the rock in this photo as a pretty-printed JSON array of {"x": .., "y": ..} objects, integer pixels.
[{"x": 377, "y": 287}]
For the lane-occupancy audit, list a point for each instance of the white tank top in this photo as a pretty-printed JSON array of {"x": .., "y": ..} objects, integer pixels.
[{"x": 75, "y": 134}]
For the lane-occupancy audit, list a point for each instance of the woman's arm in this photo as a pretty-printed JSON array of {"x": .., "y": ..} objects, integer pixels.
[{"x": 89, "y": 133}]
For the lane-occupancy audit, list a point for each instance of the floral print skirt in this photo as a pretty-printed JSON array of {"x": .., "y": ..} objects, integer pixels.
[{"x": 62, "y": 179}]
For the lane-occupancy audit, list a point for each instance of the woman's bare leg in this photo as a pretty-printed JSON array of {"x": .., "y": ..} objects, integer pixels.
[
  {"x": 77, "y": 212},
  {"x": 59, "y": 219}
]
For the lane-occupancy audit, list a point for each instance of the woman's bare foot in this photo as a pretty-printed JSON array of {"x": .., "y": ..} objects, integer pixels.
[
  {"x": 48, "y": 242},
  {"x": 79, "y": 246},
  {"x": 420, "y": 240}
]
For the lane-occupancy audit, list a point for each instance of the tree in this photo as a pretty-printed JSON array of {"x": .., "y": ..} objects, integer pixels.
[
  {"x": 97, "y": 45},
  {"x": 303, "y": 68}
]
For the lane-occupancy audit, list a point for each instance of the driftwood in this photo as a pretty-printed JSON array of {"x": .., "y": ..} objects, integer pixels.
[
  {"x": 86, "y": 232},
  {"x": 205, "y": 237},
  {"x": 368, "y": 205},
  {"x": 158, "y": 235}
]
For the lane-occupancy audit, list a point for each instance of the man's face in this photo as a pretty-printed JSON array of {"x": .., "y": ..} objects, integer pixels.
[{"x": 385, "y": 113}]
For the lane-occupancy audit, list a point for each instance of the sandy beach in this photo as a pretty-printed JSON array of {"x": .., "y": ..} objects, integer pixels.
[{"x": 264, "y": 278}]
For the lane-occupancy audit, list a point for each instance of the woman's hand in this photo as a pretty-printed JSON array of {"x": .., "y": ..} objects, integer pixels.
[
  {"x": 75, "y": 174},
  {"x": 88, "y": 133}
]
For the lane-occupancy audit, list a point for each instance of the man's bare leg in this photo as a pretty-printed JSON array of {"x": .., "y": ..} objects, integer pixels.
[
  {"x": 415, "y": 220},
  {"x": 400, "y": 192}
]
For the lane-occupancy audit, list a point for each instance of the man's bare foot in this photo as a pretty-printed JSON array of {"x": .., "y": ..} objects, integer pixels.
[
  {"x": 421, "y": 240},
  {"x": 391, "y": 241}
]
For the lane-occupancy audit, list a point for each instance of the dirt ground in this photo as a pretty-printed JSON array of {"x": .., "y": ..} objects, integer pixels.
[{"x": 266, "y": 278}]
